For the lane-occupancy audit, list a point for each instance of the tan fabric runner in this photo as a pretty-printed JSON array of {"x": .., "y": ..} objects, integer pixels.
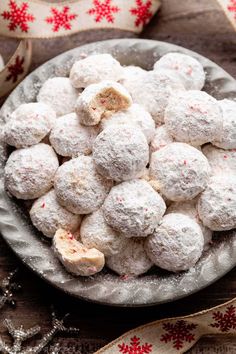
[{"x": 175, "y": 335}]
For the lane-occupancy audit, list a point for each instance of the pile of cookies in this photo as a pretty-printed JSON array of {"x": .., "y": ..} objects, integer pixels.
[{"x": 126, "y": 167}]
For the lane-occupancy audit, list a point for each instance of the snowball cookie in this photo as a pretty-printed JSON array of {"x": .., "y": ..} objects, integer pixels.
[
  {"x": 79, "y": 188},
  {"x": 130, "y": 76},
  {"x": 1, "y": 63},
  {"x": 47, "y": 215},
  {"x": 134, "y": 208},
  {"x": 99, "y": 99},
  {"x": 221, "y": 161},
  {"x": 76, "y": 258},
  {"x": 193, "y": 117},
  {"x": 29, "y": 172},
  {"x": 227, "y": 138},
  {"x": 177, "y": 244},
  {"x": 95, "y": 68},
  {"x": 135, "y": 115},
  {"x": 29, "y": 124},
  {"x": 153, "y": 91},
  {"x": 189, "y": 70},
  {"x": 59, "y": 94},
  {"x": 189, "y": 208},
  {"x": 121, "y": 152},
  {"x": 70, "y": 138},
  {"x": 217, "y": 204},
  {"x": 95, "y": 232},
  {"x": 181, "y": 170},
  {"x": 161, "y": 139},
  {"x": 132, "y": 260}
]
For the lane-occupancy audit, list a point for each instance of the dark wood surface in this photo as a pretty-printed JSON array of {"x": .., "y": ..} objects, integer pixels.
[{"x": 197, "y": 25}]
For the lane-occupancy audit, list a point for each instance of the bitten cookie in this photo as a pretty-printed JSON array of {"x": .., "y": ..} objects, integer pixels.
[
  {"x": 76, "y": 258},
  {"x": 176, "y": 244},
  {"x": 29, "y": 172}
]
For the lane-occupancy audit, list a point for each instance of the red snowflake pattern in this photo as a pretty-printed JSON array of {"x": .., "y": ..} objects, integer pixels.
[
  {"x": 61, "y": 18},
  {"x": 15, "y": 69},
  {"x": 135, "y": 347},
  {"x": 232, "y": 7},
  {"x": 103, "y": 9},
  {"x": 178, "y": 333},
  {"x": 225, "y": 321},
  {"x": 142, "y": 12},
  {"x": 18, "y": 16}
]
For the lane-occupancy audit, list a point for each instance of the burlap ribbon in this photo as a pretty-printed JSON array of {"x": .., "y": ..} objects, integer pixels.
[
  {"x": 175, "y": 335},
  {"x": 38, "y": 19}
]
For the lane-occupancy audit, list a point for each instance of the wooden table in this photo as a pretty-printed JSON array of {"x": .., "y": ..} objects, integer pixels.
[{"x": 197, "y": 25}]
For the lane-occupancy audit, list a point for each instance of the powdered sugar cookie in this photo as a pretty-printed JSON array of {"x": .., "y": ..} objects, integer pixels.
[
  {"x": 217, "y": 204},
  {"x": 79, "y": 188},
  {"x": 70, "y": 138},
  {"x": 29, "y": 173},
  {"x": 153, "y": 91},
  {"x": 121, "y": 152},
  {"x": 101, "y": 99},
  {"x": 189, "y": 208},
  {"x": 95, "y": 68},
  {"x": 132, "y": 260},
  {"x": 176, "y": 244},
  {"x": 133, "y": 208},
  {"x": 47, "y": 215},
  {"x": 130, "y": 76},
  {"x": 29, "y": 124},
  {"x": 59, "y": 94},
  {"x": 188, "y": 69},
  {"x": 193, "y": 117},
  {"x": 181, "y": 171},
  {"x": 96, "y": 233},
  {"x": 76, "y": 258},
  {"x": 227, "y": 137},
  {"x": 135, "y": 115},
  {"x": 160, "y": 139},
  {"x": 221, "y": 161}
]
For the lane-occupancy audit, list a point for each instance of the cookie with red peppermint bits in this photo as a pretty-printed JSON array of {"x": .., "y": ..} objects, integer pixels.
[
  {"x": 133, "y": 208},
  {"x": 47, "y": 215},
  {"x": 176, "y": 244},
  {"x": 193, "y": 117},
  {"x": 94, "y": 69},
  {"x": 59, "y": 94},
  {"x": 132, "y": 260},
  {"x": 220, "y": 160},
  {"x": 189, "y": 70},
  {"x": 30, "y": 172},
  {"x": 161, "y": 138},
  {"x": 180, "y": 170}
]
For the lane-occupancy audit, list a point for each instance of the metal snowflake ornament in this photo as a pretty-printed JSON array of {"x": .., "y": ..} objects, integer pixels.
[
  {"x": 20, "y": 335},
  {"x": 7, "y": 288}
]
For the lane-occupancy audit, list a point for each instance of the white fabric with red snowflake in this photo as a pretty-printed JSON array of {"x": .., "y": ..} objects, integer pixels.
[
  {"x": 175, "y": 335},
  {"x": 229, "y": 7},
  {"x": 38, "y": 19}
]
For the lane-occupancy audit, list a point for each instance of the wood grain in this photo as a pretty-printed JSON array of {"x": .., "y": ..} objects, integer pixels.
[{"x": 197, "y": 25}]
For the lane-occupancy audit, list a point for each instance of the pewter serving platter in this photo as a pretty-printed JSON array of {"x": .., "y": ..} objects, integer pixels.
[{"x": 107, "y": 288}]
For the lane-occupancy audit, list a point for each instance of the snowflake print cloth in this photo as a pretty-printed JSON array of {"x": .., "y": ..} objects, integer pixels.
[
  {"x": 175, "y": 335},
  {"x": 229, "y": 7},
  {"x": 40, "y": 19}
]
